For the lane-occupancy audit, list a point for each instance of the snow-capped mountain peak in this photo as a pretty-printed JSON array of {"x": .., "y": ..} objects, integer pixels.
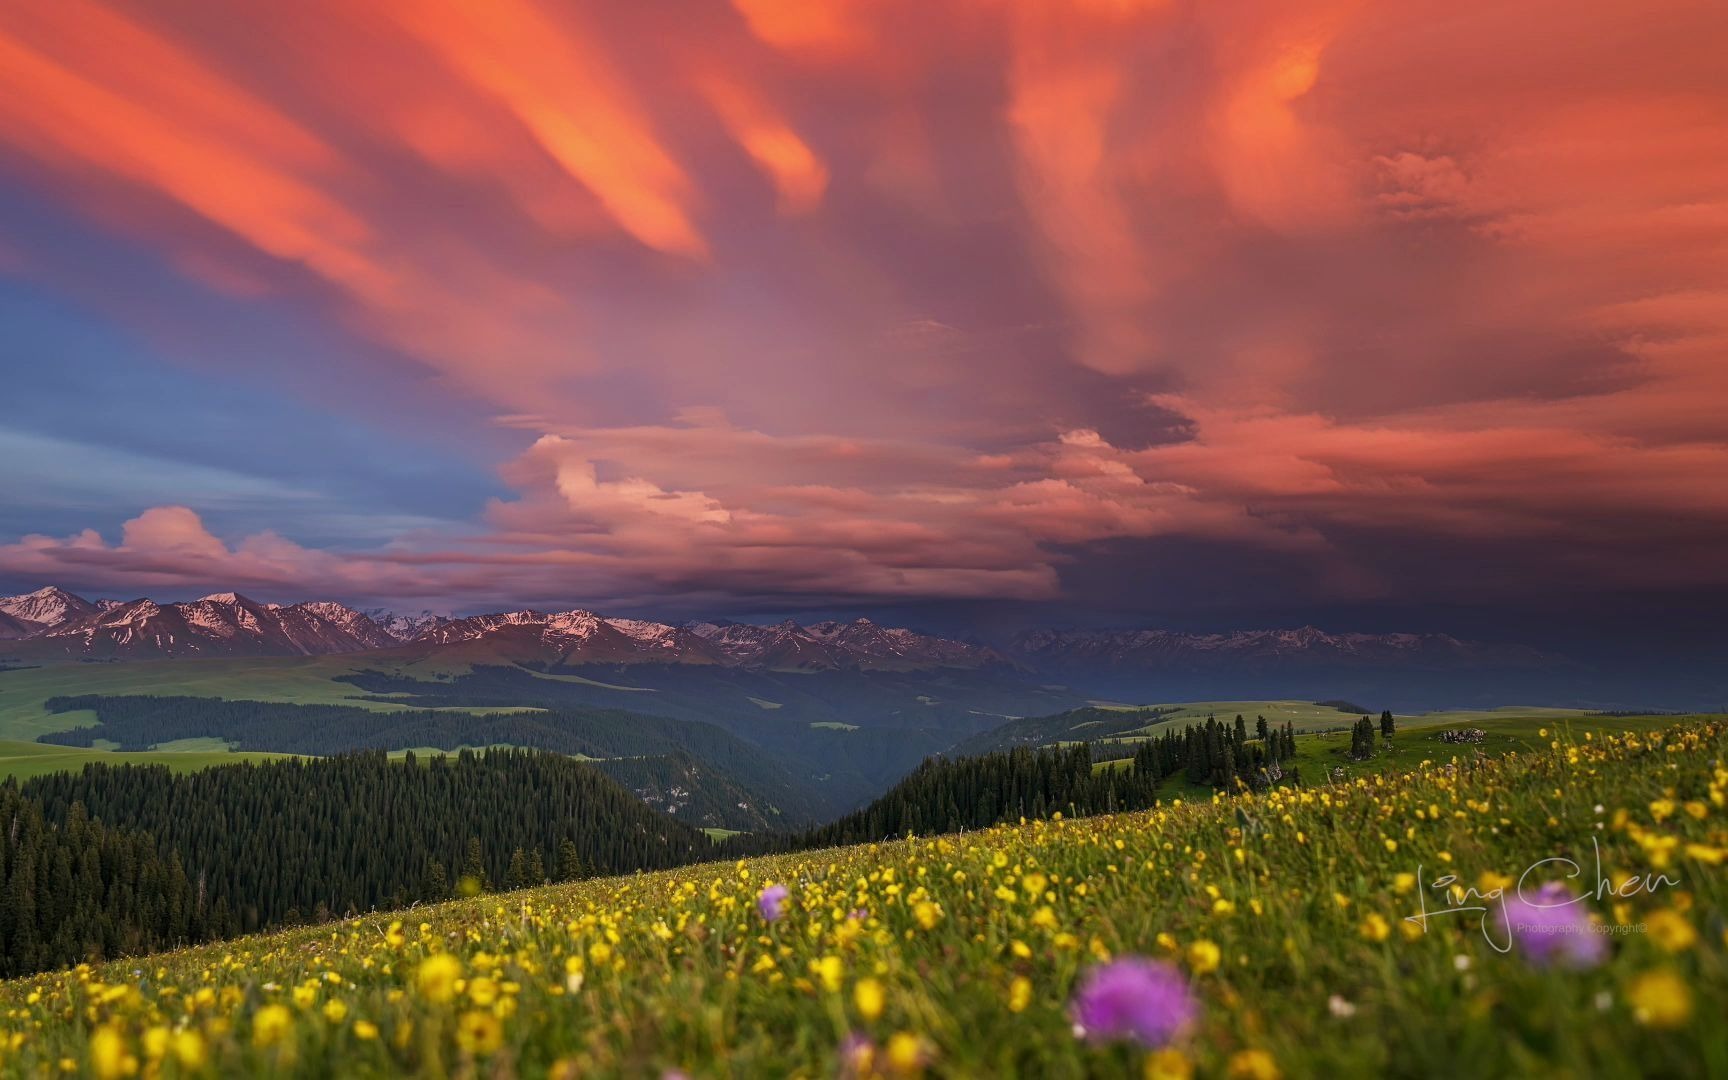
[
  {"x": 55, "y": 622},
  {"x": 49, "y": 606}
]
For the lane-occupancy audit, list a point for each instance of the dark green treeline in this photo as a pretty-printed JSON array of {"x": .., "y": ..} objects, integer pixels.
[{"x": 244, "y": 847}]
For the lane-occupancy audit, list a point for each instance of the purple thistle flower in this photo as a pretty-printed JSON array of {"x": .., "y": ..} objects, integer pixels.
[
  {"x": 772, "y": 902},
  {"x": 1552, "y": 926},
  {"x": 1134, "y": 998}
]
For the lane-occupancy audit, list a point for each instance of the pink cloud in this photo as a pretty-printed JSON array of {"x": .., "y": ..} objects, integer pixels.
[{"x": 889, "y": 300}]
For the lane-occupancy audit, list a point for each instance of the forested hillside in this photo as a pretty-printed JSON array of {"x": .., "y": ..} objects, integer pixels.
[
  {"x": 695, "y": 792},
  {"x": 945, "y": 796},
  {"x": 287, "y": 841},
  {"x": 140, "y": 722},
  {"x": 80, "y": 888}
]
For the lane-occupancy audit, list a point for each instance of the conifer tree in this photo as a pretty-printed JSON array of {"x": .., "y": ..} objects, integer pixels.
[
  {"x": 569, "y": 861},
  {"x": 474, "y": 865}
]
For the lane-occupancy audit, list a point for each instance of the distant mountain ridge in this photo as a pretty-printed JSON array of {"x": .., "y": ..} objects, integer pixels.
[
  {"x": 52, "y": 621},
  {"x": 1267, "y": 649}
]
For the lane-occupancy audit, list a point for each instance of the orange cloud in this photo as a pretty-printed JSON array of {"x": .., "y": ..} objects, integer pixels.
[
  {"x": 810, "y": 26},
  {"x": 138, "y": 127},
  {"x": 798, "y": 175},
  {"x": 563, "y": 89},
  {"x": 1068, "y": 77}
]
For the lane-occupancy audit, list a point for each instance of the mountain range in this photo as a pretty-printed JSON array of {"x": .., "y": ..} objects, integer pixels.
[{"x": 54, "y": 622}]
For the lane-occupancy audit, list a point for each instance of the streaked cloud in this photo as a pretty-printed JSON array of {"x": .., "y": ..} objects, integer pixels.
[{"x": 888, "y": 300}]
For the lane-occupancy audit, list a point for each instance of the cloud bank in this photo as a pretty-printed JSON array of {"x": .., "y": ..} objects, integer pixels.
[{"x": 887, "y": 301}]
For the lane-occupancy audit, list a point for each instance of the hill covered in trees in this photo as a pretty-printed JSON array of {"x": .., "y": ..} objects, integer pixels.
[
  {"x": 950, "y": 795},
  {"x": 695, "y": 792},
  {"x": 243, "y": 847},
  {"x": 780, "y": 788},
  {"x": 78, "y": 888}
]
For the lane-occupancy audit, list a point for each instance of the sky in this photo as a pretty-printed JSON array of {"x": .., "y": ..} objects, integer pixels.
[{"x": 1142, "y": 311}]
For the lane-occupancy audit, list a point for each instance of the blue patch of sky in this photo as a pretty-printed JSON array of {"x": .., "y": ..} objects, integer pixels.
[{"x": 98, "y": 422}]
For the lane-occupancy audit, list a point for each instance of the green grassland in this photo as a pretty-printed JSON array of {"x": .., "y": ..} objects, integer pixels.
[
  {"x": 26, "y": 759},
  {"x": 1509, "y": 730},
  {"x": 1282, "y": 921},
  {"x": 1305, "y": 715},
  {"x": 293, "y": 680}
]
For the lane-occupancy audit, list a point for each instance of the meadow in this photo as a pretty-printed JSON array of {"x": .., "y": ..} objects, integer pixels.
[
  {"x": 311, "y": 680},
  {"x": 1259, "y": 936},
  {"x": 26, "y": 759}
]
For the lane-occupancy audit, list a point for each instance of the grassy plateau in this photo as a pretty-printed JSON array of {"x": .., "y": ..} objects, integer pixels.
[{"x": 1258, "y": 936}]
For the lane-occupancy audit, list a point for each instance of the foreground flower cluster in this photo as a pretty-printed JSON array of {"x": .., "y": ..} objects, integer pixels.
[{"x": 1256, "y": 937}]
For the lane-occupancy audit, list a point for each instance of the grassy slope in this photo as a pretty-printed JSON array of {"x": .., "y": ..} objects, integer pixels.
[
  {"x": 303, "y": 681},
  {"x": 1507, "y": 731},
  {"x": 1306, "y": 715},
  {"x": 26, "y": 759},
  {"x": 1298, "y": 892}
]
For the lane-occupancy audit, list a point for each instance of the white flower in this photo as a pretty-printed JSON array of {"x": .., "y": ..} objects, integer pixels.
[
  {"x": 1461, "y": 962},
  {"x": 1340, "y": 1008}
]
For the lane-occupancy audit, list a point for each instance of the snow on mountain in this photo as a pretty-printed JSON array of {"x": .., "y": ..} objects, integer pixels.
[
  {"x": 46, "y": 607},
  {"x": 402, "y": 626},
  {"x": 54, "y": 621},
  {"x": 475, "y": 626},
  {"x": 221, "y": 624}
]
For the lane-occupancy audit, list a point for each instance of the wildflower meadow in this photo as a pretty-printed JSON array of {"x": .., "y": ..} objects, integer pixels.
[{"x": 1552, "y": 913}]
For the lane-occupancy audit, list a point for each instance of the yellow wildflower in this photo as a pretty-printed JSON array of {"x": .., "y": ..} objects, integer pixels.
[
  {"x": 109, "y": 1057},
  {"x": 1671, "y": 931},
  {"x": 830, "y": 970},
  {"x": 437, "y": 977},
  {"x": 270, "y": 1024},
  {"x": 1659, "y": 999},
  {"x": 156, "y": 1043},
  {"x": 1167, "y": 1064},
  {"x": 479, "y": 1032},
  {"x": 906, "y": 1053},
  {"x": 868, "y": 996},
  {"x": 928, "y": 914},
  {"x": 190, "y": 1051},
  {"x": 1203, "y": 956},
  {"x": 1253, "y": 1065},
  {"x": 483, "y": 991}
]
